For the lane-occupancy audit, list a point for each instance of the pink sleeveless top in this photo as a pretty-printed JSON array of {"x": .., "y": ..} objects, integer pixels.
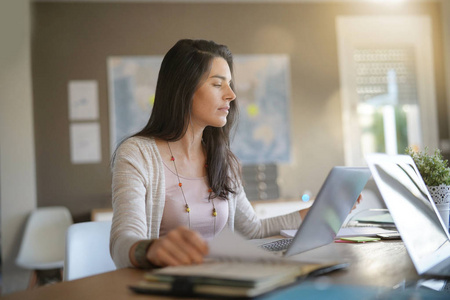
[{"x": 201, "y": 217}]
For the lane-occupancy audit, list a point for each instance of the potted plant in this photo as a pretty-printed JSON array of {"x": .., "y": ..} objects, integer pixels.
[{"x": 435, "y": 172}]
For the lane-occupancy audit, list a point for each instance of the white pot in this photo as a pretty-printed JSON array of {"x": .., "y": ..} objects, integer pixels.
[{"x": 441, "y": 197}]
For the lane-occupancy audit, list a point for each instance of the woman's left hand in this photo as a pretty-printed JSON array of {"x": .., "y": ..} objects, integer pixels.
[{"x": 358, "y": 201}]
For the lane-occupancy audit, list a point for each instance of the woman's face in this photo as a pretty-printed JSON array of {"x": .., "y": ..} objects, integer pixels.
[{"x": 211, "y": 101}]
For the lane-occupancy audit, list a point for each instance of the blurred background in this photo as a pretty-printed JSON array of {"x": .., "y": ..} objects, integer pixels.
[{"x": 346, "y": 77}]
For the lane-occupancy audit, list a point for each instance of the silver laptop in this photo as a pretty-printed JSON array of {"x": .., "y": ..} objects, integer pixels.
[
  {"x": 331, "y": 207},
  {"x": 413, "y": 211}
]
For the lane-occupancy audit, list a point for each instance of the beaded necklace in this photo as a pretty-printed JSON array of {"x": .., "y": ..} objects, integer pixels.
[{"x": 186, "y": 205}]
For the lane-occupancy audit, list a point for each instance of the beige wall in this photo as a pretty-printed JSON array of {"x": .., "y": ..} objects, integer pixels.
[
  {"x": 17, "y": 159},
  {"x": 73, "y": 41},
  {"x": 446, "y": 40}
]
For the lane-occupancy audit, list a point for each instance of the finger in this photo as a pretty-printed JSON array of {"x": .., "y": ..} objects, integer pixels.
[
  {"x": 176, "y": 245},
  {"x": 193, "y": 245},
  {"x": 188, "y": 246},
  {"x": 359, "y": 198},
  {"x": 303, "y": 213},
  {"x": 193, "y": 239},
  {"x": 166, "y": 252},
  {"x": 164, "y": 258},
  {"x": 159, "y": 256}
]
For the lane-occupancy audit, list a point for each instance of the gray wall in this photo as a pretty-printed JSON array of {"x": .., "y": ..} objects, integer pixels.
[
  {"x": 73, "y": 40},
  {"x": 17, "y": 157}
]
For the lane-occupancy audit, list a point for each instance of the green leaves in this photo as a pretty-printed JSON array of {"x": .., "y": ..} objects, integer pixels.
[{"x": 433, "y": 167}]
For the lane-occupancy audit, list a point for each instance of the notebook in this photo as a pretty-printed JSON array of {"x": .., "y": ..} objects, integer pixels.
[
  {"x": 413, "y": 211},
  {"x": 233, "y": 268},
  {"x": 333, "y": 203}
]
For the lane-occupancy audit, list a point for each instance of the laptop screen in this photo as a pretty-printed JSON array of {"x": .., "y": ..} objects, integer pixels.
[{"x": 408, "y": 201}]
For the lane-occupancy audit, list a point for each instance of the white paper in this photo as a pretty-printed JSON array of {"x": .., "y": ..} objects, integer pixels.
[
  {"x": 434, "y": 284},
  {"x": 362, "y": 231},
  {"x": 83, "y": 100},
  {"x": 85, "y": 143},
  {"x": 289, "y": 233},
  {"x": 347, "y": 232},
  {"x": 233, "y": 246}
]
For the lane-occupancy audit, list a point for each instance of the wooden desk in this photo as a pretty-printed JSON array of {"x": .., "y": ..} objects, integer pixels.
[{"x": 382, "y": 264}]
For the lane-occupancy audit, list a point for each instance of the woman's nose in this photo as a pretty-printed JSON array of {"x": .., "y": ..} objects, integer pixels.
[{"x": 230, "y": 95}]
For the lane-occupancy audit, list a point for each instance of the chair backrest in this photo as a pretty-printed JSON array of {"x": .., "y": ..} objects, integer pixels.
[
  {"x": 87, "y": 250},
  {"x": 42, "y": 246}
]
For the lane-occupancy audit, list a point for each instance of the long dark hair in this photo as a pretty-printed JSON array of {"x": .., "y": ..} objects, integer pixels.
[{"x": 182, "y": 70}]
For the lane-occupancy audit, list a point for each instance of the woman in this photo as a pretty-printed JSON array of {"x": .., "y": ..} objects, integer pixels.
[{"x": 176, "y": 183}]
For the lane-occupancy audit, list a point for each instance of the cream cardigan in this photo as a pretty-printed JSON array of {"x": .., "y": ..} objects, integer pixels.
[{"x": 138, "y": 190}]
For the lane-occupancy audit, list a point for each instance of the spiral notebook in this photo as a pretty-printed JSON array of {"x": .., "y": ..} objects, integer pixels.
[{"x": 234, "y": 268}]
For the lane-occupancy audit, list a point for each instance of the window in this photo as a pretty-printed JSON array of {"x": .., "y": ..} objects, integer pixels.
[
  {"x": 387, "y": 85},
  {"x": 387, "y": 105}
]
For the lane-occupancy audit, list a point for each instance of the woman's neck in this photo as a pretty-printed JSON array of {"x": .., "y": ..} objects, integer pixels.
[
  {"x": 190, "y": 145},
  {"x": 188, "y": 148},
  {"x": 188, "y": 153}
]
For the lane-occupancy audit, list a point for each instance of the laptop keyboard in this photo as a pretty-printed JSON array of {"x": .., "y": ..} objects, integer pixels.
[{"x": 278, "y": 245}]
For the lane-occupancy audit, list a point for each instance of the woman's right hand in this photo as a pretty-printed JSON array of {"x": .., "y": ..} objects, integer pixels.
[{"x": 181, "y": 246}]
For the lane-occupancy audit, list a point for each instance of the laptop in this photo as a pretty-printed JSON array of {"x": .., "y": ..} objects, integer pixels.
[
  {"x": 333, "y": 203},
  {"x": 406, "y": 196}
]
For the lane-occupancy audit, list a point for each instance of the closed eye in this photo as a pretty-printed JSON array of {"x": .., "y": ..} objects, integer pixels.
[{"x": 222, "y": 78}]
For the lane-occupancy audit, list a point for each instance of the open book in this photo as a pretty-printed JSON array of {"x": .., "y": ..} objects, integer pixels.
[{"x": 234, "y": 268}]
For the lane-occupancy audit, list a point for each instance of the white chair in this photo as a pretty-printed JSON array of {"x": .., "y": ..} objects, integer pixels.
[
  {"x": 87, "y": 250},
  {"x": 42, "y": 246}
]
